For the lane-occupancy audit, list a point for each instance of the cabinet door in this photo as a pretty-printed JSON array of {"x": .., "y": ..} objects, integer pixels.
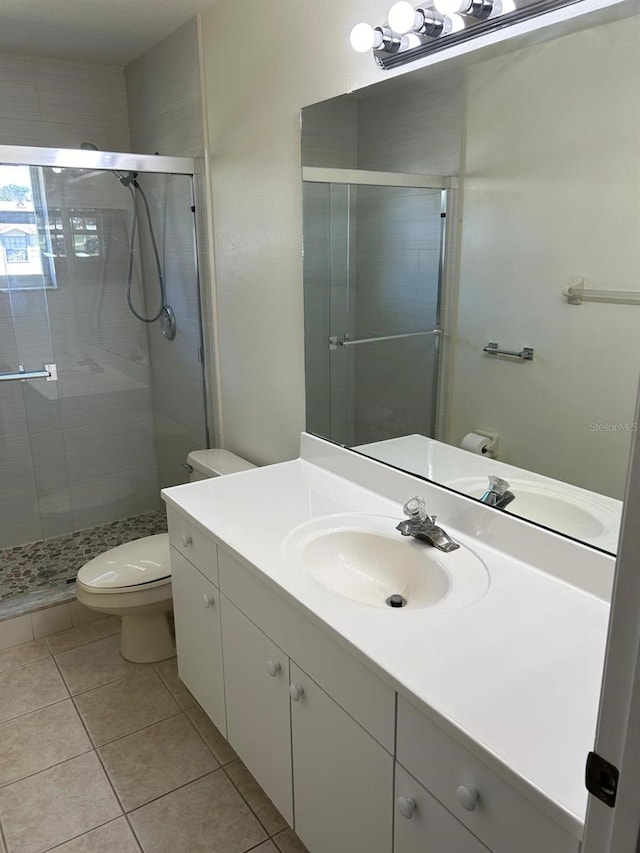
[
  {"x": 342, "y": 778},
  {"x": 256, "y": 675},
  {"x": 422, "y": 825},
  {"x": 196, "y": 608}
]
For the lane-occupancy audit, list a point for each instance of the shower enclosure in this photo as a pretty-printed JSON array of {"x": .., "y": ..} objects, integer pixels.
[
  {"x": 373, "y": 270},
  {"x": 98, "y": 409}
]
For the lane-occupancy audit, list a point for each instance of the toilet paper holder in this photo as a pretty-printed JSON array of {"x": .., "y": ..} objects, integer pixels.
[{"x": 526, "y": 353}]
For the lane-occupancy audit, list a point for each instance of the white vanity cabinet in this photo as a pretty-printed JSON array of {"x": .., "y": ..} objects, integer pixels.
[
  {"x": 324, "y": 734},
  {"x": 196, "y": 608},
  {"x": 256, "y": 674},
  {"x": 497, "y": 814},
  {"x": 422, "y": 825},
  {"x": 343, "y": 778}
]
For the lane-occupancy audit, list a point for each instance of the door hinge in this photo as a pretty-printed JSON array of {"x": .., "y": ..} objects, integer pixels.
[
  {"x": 200, "y": 355},
  {"x": 601, "y": 779}
]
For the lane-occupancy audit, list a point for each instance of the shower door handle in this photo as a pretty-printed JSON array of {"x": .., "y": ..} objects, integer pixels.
[
  {"x": 48, "y": 372},
  {"x": 335, "y": 341}
]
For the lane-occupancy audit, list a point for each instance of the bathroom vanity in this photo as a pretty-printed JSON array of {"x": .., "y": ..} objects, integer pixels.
[{"x": 459, "y": 723}]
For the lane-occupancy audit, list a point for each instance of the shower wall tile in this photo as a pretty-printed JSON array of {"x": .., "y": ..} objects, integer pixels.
[
  {"x": 48, "y": 102},
  {"x": 84, "y": 410},
  {"x": 49, "y": 460},
  {"x": 42, "y": 412},
  {"x": 102, "y": 499},
  {"x": 117, "y": 447},
  {"x": 163, "y": 89},
  {"x": 20, "y": 522},
  {"x": 13, "y": 415}
]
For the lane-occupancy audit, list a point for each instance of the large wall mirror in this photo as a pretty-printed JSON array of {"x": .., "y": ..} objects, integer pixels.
[{"x": 489, "y": 202}]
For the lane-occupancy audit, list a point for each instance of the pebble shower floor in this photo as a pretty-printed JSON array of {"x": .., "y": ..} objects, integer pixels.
[{"x": 37, "y": 566}]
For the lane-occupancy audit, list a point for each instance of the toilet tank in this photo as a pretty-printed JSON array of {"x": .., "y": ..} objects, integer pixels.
[{"x": 215, "y": 463}]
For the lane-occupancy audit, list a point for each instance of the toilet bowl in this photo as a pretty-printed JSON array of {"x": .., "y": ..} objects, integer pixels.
[{"x": 133, "y": 580}]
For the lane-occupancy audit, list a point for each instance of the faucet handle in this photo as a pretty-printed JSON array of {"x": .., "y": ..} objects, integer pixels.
[
  {"x": 498, "y": 485},
  {"x": 416, "y": 509}
]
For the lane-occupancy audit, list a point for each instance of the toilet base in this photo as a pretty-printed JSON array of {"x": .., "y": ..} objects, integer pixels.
[{"x": 146, "y": 637}]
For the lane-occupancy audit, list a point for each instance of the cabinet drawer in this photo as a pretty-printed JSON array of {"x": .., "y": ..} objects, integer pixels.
[
  {"x": 348, "y": 680},
  {"x": 193, "y": 544},
  {"x": 422, "y": 825},
  {"x": 501, "y": 818}
]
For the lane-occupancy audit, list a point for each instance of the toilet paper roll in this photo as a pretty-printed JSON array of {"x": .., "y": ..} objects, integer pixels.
[{"x": 475, "y": 443}]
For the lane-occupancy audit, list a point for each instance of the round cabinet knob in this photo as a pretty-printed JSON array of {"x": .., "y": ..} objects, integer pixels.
[
  {"x": 406, "y": 806},
  {"x": 208, "y": 600},
  {"x": 467, "y": 797},
  {"x": 186, "y": 540},
  {"x": 273, "y": 668},
  {"x": 296, "y": 692}
]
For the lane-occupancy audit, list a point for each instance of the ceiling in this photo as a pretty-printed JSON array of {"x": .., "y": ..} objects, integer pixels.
[{"x": 104, "y": 31}]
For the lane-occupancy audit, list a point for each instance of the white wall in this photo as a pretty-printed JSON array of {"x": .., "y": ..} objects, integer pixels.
[
  {"x": 263, "y": 62},
  {"x": 551, "y": 191}
]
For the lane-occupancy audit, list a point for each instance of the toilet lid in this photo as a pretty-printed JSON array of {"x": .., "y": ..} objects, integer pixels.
[{"x": 135, "y": 563}]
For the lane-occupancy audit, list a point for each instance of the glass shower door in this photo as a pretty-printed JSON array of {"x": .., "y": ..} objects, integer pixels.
[
  {"x": 29, "y": 405},
  {"x": 372, "y": 276}
]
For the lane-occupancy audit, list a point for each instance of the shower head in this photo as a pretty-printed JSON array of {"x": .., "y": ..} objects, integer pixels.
[{"x": 125, "y": 180}]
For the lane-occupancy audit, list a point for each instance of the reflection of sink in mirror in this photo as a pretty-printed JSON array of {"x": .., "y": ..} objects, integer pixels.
[
  {"x": 364, "y": 559},
  {"x": 555, "y": 508},
  {"x": 585, "y": 515}
]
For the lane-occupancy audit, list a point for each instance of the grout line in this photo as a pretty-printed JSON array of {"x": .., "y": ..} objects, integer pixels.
[
  {"x": 172, "y": 791},
  {"x": 82, "y": 834},
  {"x": 251, "y": 809},
  {"x": 79, "y": 645}
]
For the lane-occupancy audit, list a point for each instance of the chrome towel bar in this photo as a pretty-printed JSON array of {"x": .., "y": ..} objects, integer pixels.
[
  {"x": 335, "y": 341},
  {"x": 48, "y": 372},
  {"x": 526, "y": 353}
]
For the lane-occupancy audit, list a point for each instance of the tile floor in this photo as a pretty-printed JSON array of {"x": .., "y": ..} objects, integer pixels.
[{"x": 98, "y": 755}]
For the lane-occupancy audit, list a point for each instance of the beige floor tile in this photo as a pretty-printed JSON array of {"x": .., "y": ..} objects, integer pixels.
[
  {"x": 218, "y": 744},
  {"x": 288, "y": 842},
  {"x": 38, "y": 740},
  {"x": 267, "y": 847},
  {"x": 205, "y": 816},
  {"x": 125, "y": 706},
  {"x": 114, "y": 837},
  {"x": 30, "y": 687},
  {"x": 156, "y": 760},
  {"x": 53, "y": 806},
  {"x": 21, "y": 655},
  {"x": 95, "y": 664},
  {"x": 266, "y": 812},
  {"x": 83, "y": 634},
  {"x": 168, "y": 672}
]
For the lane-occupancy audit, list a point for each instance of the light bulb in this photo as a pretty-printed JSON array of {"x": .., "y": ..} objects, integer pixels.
[
  {"x": 403, "y": 17},
  {"x": 451, "y": 7},
  {"x": 364, "y": 37},
  {"x": 505, "y": 6},
  {"x": 453, "y": 24},
  {"x": 410, "y": 41}
]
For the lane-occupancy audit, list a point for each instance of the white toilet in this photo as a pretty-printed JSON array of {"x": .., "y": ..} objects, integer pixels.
[{"x": 133, "y": 580}]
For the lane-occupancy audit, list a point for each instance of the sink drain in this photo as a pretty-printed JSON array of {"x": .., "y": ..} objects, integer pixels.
[{"x": 396, "y": 600}]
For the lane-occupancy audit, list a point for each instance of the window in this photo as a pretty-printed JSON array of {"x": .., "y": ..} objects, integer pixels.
[{"x": 16, "y": 249}]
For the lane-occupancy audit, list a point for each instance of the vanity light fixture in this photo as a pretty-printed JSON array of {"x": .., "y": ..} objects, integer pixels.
[{"x": 414, "y": 32}]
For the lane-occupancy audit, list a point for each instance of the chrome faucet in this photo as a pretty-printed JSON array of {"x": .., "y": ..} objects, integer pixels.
[
  {"x": 420, "y": 525},
  {"x": 498, "y": 493}
]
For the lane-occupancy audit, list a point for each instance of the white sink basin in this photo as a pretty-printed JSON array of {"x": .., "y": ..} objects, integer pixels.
[
  {"x": 560, "y": 509},
  {"x": 363, "y": 558}
]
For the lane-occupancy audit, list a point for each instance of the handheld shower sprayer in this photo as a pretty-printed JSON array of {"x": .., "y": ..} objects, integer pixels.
[{"x": 165, "y": 313}]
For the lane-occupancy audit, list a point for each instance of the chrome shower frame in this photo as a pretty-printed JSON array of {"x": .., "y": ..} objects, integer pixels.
[{"x": 120, "y": 161}]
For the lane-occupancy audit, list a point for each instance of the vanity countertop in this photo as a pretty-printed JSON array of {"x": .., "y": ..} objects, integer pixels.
[{"x": 514, "y": 676}]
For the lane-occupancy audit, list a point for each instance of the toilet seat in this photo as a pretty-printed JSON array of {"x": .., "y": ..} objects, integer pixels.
[{"x": 142, "y": 564}]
